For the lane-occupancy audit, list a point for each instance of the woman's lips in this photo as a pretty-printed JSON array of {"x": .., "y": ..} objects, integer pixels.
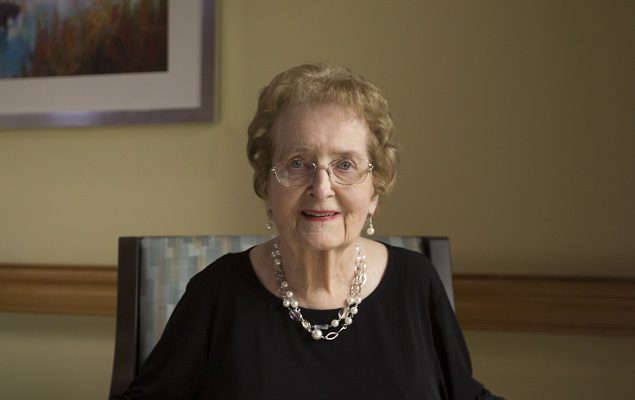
[{"x": 320, "y": 215}]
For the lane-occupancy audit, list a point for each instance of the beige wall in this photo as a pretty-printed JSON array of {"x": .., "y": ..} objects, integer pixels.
[
  {"x": 55, "y": 357},
  {"x": 515, "y": 119},
  {"x": 516, "y": 126}
]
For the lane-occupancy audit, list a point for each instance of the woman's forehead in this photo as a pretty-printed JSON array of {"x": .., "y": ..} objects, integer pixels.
[{"x": 320, "y": 128}]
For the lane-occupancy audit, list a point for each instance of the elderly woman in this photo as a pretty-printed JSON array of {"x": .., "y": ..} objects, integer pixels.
[{"x": 318, "y": 312}]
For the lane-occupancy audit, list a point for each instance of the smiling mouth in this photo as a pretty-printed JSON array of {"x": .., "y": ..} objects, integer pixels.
[{"x": 319, "y": 214}]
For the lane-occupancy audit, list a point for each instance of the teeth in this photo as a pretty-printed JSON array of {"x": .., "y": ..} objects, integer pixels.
[{"x": 319, "y": 215}]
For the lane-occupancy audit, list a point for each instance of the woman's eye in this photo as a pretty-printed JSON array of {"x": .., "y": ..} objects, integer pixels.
[
  {"x": 296, "y": 163},
  {"x": 345, "y": 165}
]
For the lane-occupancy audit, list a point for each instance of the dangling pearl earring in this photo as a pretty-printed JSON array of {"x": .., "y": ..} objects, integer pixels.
[
  {"x": 268, "y": 224},
  {"x": 371, "y": 228}
]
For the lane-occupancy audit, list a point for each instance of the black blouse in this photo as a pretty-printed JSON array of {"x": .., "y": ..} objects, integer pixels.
[{"x": 230, "y": 338}]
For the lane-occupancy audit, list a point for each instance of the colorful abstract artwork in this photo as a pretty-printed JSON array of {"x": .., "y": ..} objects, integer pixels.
[{"x": 47, "y": 38}]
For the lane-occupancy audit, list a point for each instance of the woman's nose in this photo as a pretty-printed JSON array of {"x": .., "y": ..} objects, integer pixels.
[{"x": 322, "y": 186}]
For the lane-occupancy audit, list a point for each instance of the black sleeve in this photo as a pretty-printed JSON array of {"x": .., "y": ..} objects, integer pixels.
[
  {"x": 175, "y": 367},
  {"x": 453, "y": 352}
]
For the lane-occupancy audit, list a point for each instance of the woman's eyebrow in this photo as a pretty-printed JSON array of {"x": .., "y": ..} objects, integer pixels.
[
  {"x": 350, "y": 154},
  {"x": 309, "y": 152}
]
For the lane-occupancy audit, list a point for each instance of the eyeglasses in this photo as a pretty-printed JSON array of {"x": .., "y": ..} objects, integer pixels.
[{"x": 298, "y": 172}]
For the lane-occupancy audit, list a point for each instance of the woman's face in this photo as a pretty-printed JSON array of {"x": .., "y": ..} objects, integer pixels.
[{"x": 320, "y": 214}]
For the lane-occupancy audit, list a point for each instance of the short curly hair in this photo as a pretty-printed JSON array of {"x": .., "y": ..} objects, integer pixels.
[{"x": 323, "y": 83}]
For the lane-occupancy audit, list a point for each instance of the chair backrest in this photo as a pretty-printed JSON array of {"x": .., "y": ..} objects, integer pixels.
[{"x": 154, "y": 271}]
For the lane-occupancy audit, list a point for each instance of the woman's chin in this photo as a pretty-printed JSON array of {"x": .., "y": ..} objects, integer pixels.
[{"x": 321, "y": 241}]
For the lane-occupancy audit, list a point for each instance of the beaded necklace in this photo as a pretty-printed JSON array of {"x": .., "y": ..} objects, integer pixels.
[{"x": 344, "y": 316}]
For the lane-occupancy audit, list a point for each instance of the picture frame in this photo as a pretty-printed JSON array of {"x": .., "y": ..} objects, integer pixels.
[{"x": 184, "y": 93}]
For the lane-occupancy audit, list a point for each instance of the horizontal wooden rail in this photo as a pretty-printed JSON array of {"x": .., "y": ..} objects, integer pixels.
[
  {"x": 598, "y": 306},
  {"x": 56, "y": 289}
]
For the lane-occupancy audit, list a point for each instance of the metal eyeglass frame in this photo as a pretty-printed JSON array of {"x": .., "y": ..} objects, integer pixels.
[{"x": 332, "y": 177}]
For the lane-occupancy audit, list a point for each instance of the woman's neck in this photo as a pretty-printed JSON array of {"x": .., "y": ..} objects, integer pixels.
[{"x": 319, "y": 279}]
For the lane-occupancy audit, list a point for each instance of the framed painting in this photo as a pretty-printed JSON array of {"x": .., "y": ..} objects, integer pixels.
[{"x": 66, "y": 63}]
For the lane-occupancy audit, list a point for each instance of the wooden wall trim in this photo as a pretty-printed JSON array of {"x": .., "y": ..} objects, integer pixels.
[
  {"x": 597, "y": 306},
  {"x": 57, "y": 289}
]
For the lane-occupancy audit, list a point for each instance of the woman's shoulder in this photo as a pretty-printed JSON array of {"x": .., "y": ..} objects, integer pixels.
[
  {"x": 226, "y": 268},
  {"x": 412, "y": 261},
  {"x": 414, "y": 269}
]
